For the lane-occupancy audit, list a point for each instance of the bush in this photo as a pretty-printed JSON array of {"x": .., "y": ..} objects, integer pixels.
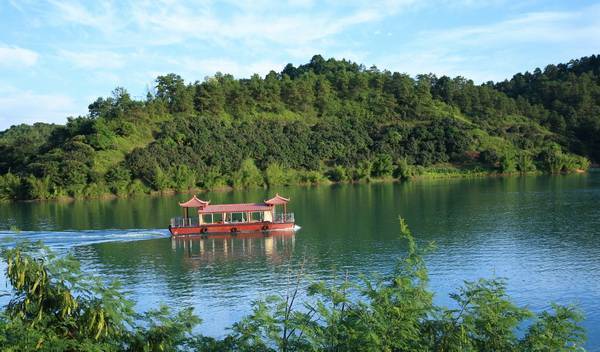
[
  {"x": 525, "y": 162},
  {"x": 118, "y": 179},
  {"x": 276, "y": 175},
  {"x": 96, "y": 190},
  {"x": 160, "y": 180},
  {"x": 404, "y": 170},
  {"x": 383, "y": 166},
  {"x": 10, "y": 185},
  {"x": 362, "y": 171},
  {"x": 56, "y": 307},
  {"x": 183, "y": 178},
  {"x": 508, "y": 162},
  {"x": 311, "y": 177},
  {"x": 248, "y": 175},
  {"x": 137, "y": 187},
  {"x": 337, "y": 174},
  {"x": 36, "y": 188},
  {"x": 213, "y": 180}
]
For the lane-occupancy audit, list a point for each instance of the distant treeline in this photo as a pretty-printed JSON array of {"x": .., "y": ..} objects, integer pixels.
[
  {"x": 54, "y": 306},
  {"x": 328, "y": 120}
]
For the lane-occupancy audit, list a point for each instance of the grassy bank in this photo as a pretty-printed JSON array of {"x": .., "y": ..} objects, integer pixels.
[{"x": 276, "y": 176}]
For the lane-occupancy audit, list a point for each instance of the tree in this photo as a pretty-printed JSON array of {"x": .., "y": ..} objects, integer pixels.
[
  {"x": 383, "y": 166},
  {"x": 248, "y": 175},
  {"x": 172, "y": 90},
  {"x": 118, "y": 180}
]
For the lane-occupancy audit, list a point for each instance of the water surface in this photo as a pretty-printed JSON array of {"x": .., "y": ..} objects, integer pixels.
[{"x": 539, "y": 232}]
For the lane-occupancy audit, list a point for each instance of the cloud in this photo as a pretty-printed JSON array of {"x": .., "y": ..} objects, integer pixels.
[
  {"x": 25, "y": 106},
  {"x": 170, "y": 22},
  {"x": 94, "y": 59},
  {"x": 208, "y": 67},
  {"x": 103, "y": 17},
  {"x": 549, "y": 27},
  {"x": 13, "y": 56},
  {"x": 475, "y": 51}
]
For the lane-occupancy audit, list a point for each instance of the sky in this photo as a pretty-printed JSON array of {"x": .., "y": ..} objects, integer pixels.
[{"x": 58, "y": 56}]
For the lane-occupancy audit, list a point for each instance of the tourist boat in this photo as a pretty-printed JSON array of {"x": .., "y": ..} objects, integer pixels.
[{"x": 206, "y": 218}]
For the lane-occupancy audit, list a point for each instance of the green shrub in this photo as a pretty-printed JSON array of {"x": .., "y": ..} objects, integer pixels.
[
  {"x": 137, "y": 187},
  {"x": 36, "y": 188},
  {"x": 96, "y": 190},
  {"x": 383, "y": 166},
  {"x": 118, "y": 179},
  {"x": 183, "y": 178},
  {"x": 248, "y": 175},
  {"x": 10, "y": 186},
  {"x": 525, "y": 162},
  {"x": 311, "y": 177},
  {"x": 337, "y": 174},
  {"x": 276, "y": 175},
  {"x": 213, "y": 180},
  {"x": 403, "y": 170},
  {"x": 160, "y": 180}
]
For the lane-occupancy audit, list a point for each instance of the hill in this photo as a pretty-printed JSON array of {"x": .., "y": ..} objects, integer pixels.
[{"x": 327, "y": 120}]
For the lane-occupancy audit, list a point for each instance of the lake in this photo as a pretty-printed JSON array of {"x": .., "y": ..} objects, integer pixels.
[{"x": 541, "y": 233}]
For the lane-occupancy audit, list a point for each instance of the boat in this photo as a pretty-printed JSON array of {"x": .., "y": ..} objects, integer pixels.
[{"x": 202, "y": 218}]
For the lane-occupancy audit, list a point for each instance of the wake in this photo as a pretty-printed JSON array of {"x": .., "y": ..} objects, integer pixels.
[{"x": 73, "y": 238}]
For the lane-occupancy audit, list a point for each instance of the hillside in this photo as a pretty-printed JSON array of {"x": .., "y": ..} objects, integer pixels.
[{"x": 326, "y": 120}]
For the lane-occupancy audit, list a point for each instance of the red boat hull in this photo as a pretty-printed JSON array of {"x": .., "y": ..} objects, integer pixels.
[{"x": 231, "y": 228}]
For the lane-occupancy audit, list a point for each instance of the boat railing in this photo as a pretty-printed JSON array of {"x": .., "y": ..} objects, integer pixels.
[
  {"x": 287, "y": 217},
  {"x": 193, "y": 222},
  {"x": 184, "y": 222}
]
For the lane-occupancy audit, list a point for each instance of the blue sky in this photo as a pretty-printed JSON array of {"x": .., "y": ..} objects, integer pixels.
[{"x": 58, "y": 56}]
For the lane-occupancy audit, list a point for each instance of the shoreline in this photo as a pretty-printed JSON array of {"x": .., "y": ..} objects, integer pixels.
[{"x": 426, "y": 175}]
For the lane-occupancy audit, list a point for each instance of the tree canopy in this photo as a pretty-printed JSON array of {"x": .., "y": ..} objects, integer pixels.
[{"x": 324, "y": 119}]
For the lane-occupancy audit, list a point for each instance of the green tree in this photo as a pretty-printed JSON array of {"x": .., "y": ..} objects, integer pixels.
[
  {"x": 383, "y": 166},
  {"x": 118, "y": 179},
  {"x": 172, "y": 90},
  {"x": 248, "y": 175},
  {"x": 276, "y": 175},
  {"x": 183, "y": 177}
]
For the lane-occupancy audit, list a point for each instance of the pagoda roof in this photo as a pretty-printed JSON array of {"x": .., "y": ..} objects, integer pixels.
[
  {"x": 277, "y": 200},
  {"x": 194, "y": 202},
  {"x": 235, "y": 208}
]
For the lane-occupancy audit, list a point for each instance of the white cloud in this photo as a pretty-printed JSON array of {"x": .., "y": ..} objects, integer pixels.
[
  {"x": 13, "y": 56},
  {"x": 104, "y": 17},
  {"x": 94, "y": 59},
  {"x": 549, "y": 27},
  {"x": 497, "y": 50},
  {"x": 207, "y": 67},
  {"x": 170, "y": 22},
  {"x": 19, "y": 106}
]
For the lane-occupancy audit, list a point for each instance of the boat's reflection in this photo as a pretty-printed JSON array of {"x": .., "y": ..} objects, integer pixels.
[{"x": 276, "y": 246}]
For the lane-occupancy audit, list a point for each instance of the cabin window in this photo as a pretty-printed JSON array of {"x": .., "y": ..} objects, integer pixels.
[
  {"x": 218, "y": 217},
  {"x": 237, "y": 217},
  {"x": 256, "y": 216}
]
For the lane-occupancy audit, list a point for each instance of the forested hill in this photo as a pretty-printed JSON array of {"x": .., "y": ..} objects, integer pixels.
[{"x": 325, "y": 120}]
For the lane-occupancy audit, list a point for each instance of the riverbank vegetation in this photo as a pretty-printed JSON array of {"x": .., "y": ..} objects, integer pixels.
[
  {"x": 55, "y": 307},
  {"x": 325, "y": 121}
]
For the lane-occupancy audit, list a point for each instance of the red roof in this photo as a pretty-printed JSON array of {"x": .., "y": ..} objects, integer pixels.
[
  {"x": 194, "y": 202},
  {"x": 277, "y": 200},
  {"x": 235, "y": 208}
]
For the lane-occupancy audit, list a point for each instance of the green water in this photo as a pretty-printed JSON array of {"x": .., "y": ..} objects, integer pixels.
[{"x": 539, "y": 232}]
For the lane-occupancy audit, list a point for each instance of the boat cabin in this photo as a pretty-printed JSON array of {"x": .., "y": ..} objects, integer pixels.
[{"x": 204, "y": 217}]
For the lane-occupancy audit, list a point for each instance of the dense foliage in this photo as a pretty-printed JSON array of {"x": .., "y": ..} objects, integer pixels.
[
  {"x": 326, "y": 120},
  {"x": 54, "y": 307}
]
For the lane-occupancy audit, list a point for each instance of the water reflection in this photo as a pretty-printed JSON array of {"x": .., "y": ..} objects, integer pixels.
[{"x": 198, "y": 251}]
